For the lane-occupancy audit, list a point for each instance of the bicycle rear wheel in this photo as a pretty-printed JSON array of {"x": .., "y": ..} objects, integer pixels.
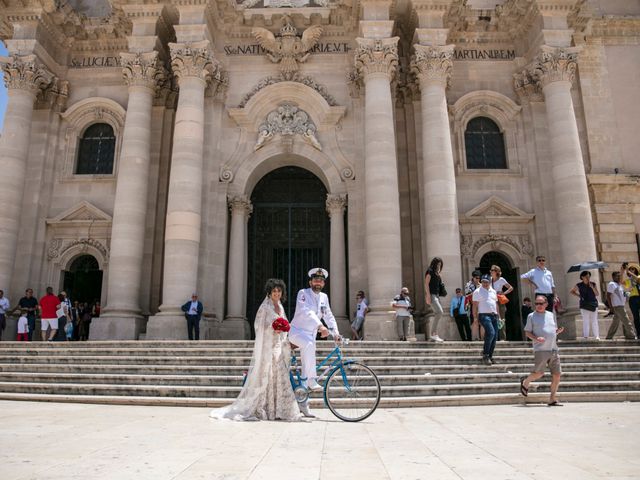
[{"x": 355, "y": 398}]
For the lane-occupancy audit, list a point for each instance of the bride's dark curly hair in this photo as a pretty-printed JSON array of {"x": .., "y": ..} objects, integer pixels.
[{"x": 276, "y": 283}]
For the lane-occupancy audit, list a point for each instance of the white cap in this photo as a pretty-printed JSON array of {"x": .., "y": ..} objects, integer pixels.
[{"x": 318, "y": 272}]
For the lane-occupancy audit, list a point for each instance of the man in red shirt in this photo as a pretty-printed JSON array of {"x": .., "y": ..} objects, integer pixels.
[{"x": 48, "y": 306}]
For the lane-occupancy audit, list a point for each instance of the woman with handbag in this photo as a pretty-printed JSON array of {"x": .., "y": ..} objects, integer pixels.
[
  {"x": 587, "y": 291},
  {"x": 433, "y": 290},
  {"x": 502, "y": 288}
]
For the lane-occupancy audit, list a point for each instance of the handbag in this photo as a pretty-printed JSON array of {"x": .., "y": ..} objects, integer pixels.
[
  {"x": 502, "y": 299},
  {"x": 442, "y": 292}
]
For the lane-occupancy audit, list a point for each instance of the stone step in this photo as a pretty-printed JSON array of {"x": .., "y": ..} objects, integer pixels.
[
  {"x": 123, "y": 369},
  {"x": 236, "y": 380},
  {"x": 385, "y": 402},
  {"x": 581, "y": 357},
  {"x": 232, "y": 392}
]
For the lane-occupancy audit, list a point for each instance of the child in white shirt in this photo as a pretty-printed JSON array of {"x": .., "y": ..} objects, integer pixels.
[{"x": 23, "y": 327}]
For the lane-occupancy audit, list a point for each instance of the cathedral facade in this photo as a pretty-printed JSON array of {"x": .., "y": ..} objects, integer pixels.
[{"x": 156, "y": 149}]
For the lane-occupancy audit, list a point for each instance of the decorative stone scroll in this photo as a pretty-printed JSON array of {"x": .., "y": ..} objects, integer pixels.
[
  {"x": 287, "y": 120},
  {"x": 469, "y": 245},
  {"x": 378, "y": 55},
  {"x": 25, "y": 73},
  {"x": 57, "y": 247},
  {"x": 433, "y": 64},
  {"x": 143, "y": 69}
]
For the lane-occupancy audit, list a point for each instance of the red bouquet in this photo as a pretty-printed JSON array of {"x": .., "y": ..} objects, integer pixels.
[{"x": 280, "y": 325}]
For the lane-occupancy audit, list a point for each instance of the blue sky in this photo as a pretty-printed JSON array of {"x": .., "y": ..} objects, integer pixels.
[{"x": 3, "y": 90}]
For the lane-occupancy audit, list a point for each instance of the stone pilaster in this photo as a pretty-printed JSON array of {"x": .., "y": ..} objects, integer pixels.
[
  {"x": 376, "y": 61},
  {"x": 143, "y": 73},
  {"x": 235, "y": 326},
  {"x": 554, "y": 71},
  {"x": 193, "y": 65},
  {"x": 432, "y": 66},
  {"x": 24, "y": 77},
  {"x": 338, "y": 289}
]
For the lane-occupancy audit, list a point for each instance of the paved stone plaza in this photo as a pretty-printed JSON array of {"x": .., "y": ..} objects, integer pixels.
[{"x": 69, "y": 441}]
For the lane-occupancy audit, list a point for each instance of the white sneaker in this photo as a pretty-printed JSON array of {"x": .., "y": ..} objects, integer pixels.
[
  {"x": 435, "y": 338},
  {"x": 305, "y": 410},
  {"x": 314, "y": 386},
  {"x": 597, "y": 339}
]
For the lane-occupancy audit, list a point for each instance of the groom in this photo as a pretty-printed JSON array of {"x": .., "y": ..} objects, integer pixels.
[{"x": 312, "y": 306}]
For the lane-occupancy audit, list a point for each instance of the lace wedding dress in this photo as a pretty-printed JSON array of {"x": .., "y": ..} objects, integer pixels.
[{"x": 267, "y": 393}]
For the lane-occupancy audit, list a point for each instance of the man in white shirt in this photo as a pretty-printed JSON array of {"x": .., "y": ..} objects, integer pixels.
[
  {"x": 402, "y": 303},
  {"x": 542, "y": 280},
  {"x": 193, "y": 313},
  {"x": 485, "y": 310},
  {"x": 4, "y": 308},
  {"x": 617, "y": 300}
]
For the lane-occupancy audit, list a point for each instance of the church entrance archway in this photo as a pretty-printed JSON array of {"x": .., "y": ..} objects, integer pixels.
[
  {"x": 288, "y": 234},
  {"x": 83, "y": 280},
  {"x": 513, "y": 327}
]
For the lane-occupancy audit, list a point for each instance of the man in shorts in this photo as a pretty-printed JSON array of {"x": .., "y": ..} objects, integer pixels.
[
  {"x": 48, "y": 306},
  {"x": 542, "y": 329}
]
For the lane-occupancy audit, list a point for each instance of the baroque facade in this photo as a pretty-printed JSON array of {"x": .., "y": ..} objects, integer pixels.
[{"x": 206, "y": 145}]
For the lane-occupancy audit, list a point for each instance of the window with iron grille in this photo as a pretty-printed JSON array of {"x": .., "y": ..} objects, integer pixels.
[
  {"x": 97, "y": 150},
  {"x": 484, "y": 144}
]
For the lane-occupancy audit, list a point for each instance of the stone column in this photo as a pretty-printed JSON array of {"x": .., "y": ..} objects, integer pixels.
[
  {"x": 193, "y": 66},
  {"x": 554, "y": 70},
  {"x": 122, "y": 312},
  {"x": 432, "y": 65},
  {"x": 24, "y": 76},
  {"x": 376, "y": 61},
  {"x": 235, "y": 326},
  {"x": 337, "y": 265}
]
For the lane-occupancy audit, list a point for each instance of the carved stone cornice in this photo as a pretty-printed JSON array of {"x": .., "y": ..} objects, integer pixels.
[
  {"x": 433, "y": 64},
  {"x": 377, "y": 56},
  {"x": 193, "y": 60},
  {"x": 240, "y": 204},
  {"x": 336, "y": 204},
  {"x": 554, "y": 64},
  {"x": 25, "y": 73},
  {"x": 142, "y": 70}
]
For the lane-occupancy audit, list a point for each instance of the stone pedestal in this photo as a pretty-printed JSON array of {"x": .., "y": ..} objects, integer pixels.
[
  {"x": 167, "y": 326},
  {"x": 234, "y": 328},
  {"x": 376, "y": 61},
  {"x": 117, "y": 325}
]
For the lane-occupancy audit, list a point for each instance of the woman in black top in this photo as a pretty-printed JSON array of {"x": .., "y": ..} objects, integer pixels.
[
  {"x": 432, "y": 285},
  {"x": 587, "y": 291}
]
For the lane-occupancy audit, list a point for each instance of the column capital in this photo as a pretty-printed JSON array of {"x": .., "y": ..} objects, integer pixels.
[
  {"x": 240, "y": 204},
  {"x": 193, "y": 60},
  {"x": 554, "y": 64},
  {"x": 377, "y": 56},
  {"x": 143, "y": 69},
  {"x": 336, "y": 204},
  {"x": 433, "y": 64},
  {"x": 24, "y": 72}
]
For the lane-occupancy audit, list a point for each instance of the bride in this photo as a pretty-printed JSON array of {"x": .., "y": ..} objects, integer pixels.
[{"x": 267, "y": 392}]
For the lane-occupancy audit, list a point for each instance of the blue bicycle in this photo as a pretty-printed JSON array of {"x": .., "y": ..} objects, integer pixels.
[{"x": 351, "y": 389}]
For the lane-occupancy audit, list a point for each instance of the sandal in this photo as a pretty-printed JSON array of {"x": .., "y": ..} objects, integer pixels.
[
  {"x": 555, "y": 403},
  {"x": 523, "y": 390}
]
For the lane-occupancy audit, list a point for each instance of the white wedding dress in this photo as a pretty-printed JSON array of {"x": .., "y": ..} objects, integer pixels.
[{"x": 267, "y": 393}]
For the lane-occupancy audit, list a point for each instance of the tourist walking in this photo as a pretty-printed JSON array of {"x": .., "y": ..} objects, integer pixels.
[
  {"x": 485, "y": 309},
  {"x": 30, "y": 304},
  {"x": 362, "y": 308},
  {"x": 542, "y": 329},
  {"x": 502, "y": 288},
  {"x": 631, "y": 285},
  {"x": 49, "y": 305},
  {"x": 587, "y": 292},
  {"x": 193, "y": 312},
  {"x": 267, "y": 392},
  {"x": 4, "y": 309},
  {"x": 433, "y": 290},
  {"x": 617, "y": 299},
  {"x": 402, "y": 305},
  {"x": 541, "y": 279},
  {"x": 458, "y": 310}
]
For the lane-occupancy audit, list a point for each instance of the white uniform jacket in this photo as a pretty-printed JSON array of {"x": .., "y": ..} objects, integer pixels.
[{"x": 310, "y": 309}]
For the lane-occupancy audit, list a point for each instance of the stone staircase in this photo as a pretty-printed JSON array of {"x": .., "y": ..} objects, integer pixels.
[{"x": 209, "y": 373}]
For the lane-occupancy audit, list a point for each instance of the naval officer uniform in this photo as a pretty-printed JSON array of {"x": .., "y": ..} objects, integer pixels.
[{"x": 311, "y": 308}]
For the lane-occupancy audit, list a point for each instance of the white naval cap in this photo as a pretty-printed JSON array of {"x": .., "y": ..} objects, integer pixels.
[{"x": 318, "y": 272}]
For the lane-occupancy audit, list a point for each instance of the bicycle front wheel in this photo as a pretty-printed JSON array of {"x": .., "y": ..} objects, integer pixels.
[{"x": 352, "y": 392}]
